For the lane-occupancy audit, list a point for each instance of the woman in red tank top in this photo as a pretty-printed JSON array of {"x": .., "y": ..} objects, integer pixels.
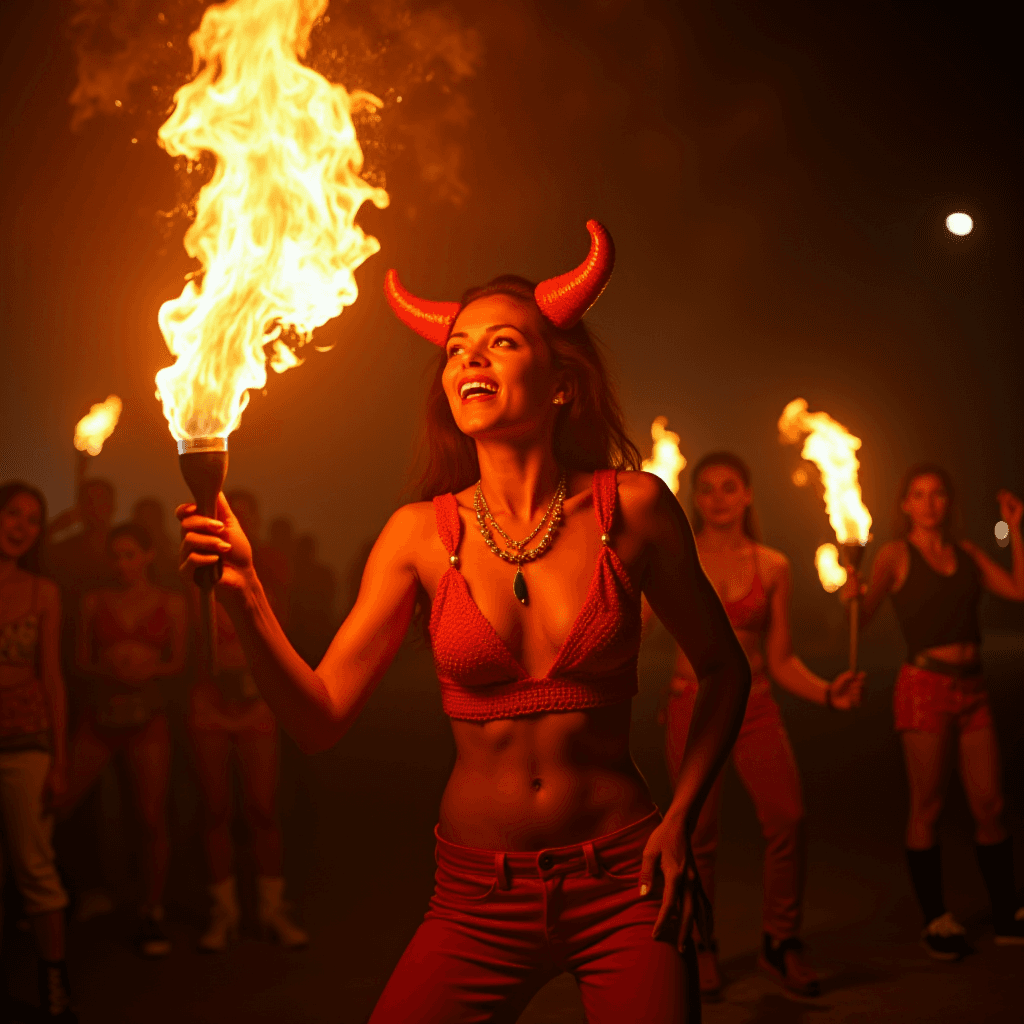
[
  {"x": 131, "y": 639},
  {"x": 532, "y": 559},
  {"x": 753, "y": 582}
]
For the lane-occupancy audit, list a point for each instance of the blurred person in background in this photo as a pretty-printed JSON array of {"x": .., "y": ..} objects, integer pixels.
[
  {"x": 132, "y": 637},
  {"x": 753, "y": 582},
  {"x": 311, "y": 610},
  {"x": 33, "y": 757},
  {"x": 935, "y": 580},
  {"x": 229, "y": 720},
  {"x": 149, "y": 514},
  {"x": 79, "y": 562}
]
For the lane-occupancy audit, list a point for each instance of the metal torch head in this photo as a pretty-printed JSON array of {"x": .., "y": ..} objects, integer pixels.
[
  {"x": 853, "y": 554},
  {"x": 204, "y": 465}
]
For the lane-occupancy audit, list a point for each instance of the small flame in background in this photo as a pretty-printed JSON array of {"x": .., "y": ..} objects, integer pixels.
[
  {"x": 666, "y": 459},
  {"x": 830, "y": 572},
  {"x": 275, "y": 227},
  {"x": 831, "y": 447},
  {"x": 97, "y": 425}
]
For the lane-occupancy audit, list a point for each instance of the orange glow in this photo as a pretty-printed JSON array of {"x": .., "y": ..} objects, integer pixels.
[
  {"x": 801, "y": 477},
  {"x": 666, "y": 459},
  {"x": 830, "y": 572},
  {"x": 97, "y": 425},
  {"x": 831, "y": 447},
  {"x": 275, "y": 227}
]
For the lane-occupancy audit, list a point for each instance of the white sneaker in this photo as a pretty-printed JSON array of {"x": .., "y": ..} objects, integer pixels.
[
  {"x": 224, "y": 915},
  {"x": 274, "y": 915}
]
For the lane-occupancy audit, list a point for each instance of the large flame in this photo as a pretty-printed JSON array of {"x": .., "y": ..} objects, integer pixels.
[
  {"x": 831, "y": 447},
  {"x": 830, "y": 572},
  {"x": 97, "y": 425},
  {"x": 275, "y": 227},
  {"x": 666, "y": 459}
]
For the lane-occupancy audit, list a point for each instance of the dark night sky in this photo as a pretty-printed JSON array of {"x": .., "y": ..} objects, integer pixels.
[{"x": 776, "y": 178}]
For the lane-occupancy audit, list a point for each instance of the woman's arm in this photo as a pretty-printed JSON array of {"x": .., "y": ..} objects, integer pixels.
[
  {"x": 995, "y": 578},
  {"x": 315, "y": 708},
  {"x": 784, "y": 666},
  {"x": 885, "y": 572},
  {"x": 681, "y": 596},
  {"x": 53, "y": 688}
]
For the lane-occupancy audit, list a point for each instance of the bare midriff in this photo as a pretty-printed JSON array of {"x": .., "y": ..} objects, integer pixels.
[
  {"x": 955, "y": 654},
  {"x": 543, "y": 781},
  {"x": 682, "y": 674}
]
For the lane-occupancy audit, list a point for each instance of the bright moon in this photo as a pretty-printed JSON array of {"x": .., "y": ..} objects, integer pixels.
[{"x": 959, "y": 224}]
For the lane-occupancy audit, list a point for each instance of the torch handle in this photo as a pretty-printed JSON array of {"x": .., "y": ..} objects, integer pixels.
[
  {"x": 206, "y": 577},
  {"x": 854, "y": 632}
]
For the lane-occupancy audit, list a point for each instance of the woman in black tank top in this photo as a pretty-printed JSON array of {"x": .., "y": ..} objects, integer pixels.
[{"x": 940, "y": 704}]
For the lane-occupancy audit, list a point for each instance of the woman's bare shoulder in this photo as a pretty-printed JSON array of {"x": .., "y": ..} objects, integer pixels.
[
  {"x": 772, "y": 564},
  {"x": 641, "y": 492},
  {"x": 409, "y": 526}
]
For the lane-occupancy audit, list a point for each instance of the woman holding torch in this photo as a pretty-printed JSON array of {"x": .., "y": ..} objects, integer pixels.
[
  {"x": 935, "y": 581},
  {"x": 551, "y": 854},
  {"x": 33, "y": 760},
  {"x": 753, "y": 582}
]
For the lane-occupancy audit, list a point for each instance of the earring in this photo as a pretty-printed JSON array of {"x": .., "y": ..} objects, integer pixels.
[{"x": 558, "y": 400}]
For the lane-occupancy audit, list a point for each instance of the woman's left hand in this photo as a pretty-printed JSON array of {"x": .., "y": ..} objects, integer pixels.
[
  {"x": 1010, "y": 507},
  {"x": 683, "y": 903},
  {"x": 844, "y": 691}
]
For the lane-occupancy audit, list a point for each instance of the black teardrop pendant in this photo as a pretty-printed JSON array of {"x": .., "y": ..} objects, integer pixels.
[{"x": 519, "y": 587}]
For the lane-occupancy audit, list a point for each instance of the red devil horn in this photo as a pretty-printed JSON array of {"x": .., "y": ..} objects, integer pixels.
[
  {"x": 564, "y": 300},
  {"x": 430, "y": 320}
]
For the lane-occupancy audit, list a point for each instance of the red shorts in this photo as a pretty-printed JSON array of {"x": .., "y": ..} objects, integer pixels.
[
  {"x": 926, "y": 701},
  {"x": 501, "y": 925}
]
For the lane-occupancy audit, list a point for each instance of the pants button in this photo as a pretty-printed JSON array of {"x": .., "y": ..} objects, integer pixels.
[{"x": 546, "y": 861}]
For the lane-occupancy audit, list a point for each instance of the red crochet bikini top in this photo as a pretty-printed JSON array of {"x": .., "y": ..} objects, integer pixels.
[
  {"x": 595, "y": 666},
  {"x": 154, "y": 629}
]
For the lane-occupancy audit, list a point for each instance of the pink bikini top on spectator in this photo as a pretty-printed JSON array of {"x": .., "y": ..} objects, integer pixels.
[{"x": 595, "y": 666}]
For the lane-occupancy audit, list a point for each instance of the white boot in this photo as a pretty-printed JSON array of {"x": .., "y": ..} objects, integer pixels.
[
  {"x": 274, "y": 914},
  {"x": 223, "y": 917}
]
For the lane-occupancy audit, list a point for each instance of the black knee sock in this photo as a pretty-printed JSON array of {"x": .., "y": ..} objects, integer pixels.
[
  {"x": 926, "y": 876},
  {"x": 996, "y": 863}
]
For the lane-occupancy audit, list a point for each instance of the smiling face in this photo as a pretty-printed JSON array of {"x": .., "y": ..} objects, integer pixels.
[
  {"x": 131, "y": 560},
  {"x": 721, "y": 496},
  {"x": 21, "y": 522},
  {"x": 926, "y": 502},
  {"x": 500, "y": 379}
]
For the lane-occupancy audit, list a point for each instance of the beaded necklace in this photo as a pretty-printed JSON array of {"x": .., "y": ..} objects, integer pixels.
[{"x": 515, "y": 552}]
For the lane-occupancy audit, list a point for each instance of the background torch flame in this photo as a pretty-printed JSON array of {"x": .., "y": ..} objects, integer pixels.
[
  {"x": 97, "y": 425},
  {"x": 666, "y": 459},
  {"x": 275, "y": 227},
  {"x": 831, "y": 447},
  {"x": 830, "y": 572}
]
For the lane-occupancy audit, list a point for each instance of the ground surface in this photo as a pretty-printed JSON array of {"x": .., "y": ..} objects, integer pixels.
[{"x": 358, "y": 826}]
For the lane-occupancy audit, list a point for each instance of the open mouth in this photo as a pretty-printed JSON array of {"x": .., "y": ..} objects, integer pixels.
[{"x": 479, "y": 388}]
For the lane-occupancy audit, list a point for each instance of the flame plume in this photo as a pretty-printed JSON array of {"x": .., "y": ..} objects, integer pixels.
[
  {"x": 97, "y": 425},
  {"x": 275, "y": 227},
  {"x": 831, "y": 447},
  {"x": 830, "y": 572},
  {"x": 666, "y": 459}
]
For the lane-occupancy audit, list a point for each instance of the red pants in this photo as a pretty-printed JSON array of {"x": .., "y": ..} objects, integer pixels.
[
  {"x": 501, "y": 925},
  {"x": 765, "y": 764}
]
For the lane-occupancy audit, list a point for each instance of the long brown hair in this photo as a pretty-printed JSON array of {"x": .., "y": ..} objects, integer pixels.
[
  {"x": 589, "y": 431},
  {"x": 951, "y": 524},
  {"x": 32, "y": 560},
  {"x": 730, "y": 461}
]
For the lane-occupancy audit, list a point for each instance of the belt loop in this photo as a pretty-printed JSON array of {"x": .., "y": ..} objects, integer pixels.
[
  {"x": 590, "y": 856},
  {"x": 501, "y": 871}
]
